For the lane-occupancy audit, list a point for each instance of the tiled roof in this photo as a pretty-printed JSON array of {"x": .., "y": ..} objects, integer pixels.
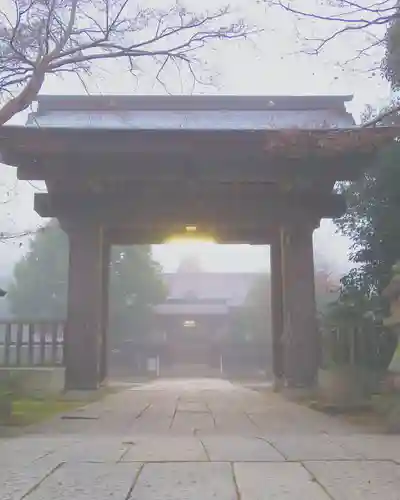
[
  {"x": 231, "y": 287},
  {"x": 192, "y": 309},
  {"x": 199, "y": 112}
]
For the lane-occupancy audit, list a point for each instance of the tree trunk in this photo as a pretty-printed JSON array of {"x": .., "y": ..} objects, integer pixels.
[{"x": 25, "y": 98}]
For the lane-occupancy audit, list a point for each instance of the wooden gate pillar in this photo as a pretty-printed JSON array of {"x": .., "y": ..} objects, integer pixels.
[
  {"x": 277, "y": 312},
  {"x": 105, "y": 294},
  {"x": 300, "y": 331},
  {"x": 84, "y": 313}
]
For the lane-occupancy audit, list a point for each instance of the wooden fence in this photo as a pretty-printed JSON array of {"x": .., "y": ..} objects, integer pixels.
[
  {"x": 41, "y": 343},
  {"x": 26, "y": 343}
]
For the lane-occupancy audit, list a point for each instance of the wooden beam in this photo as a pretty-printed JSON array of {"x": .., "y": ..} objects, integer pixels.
[
  {"x": 155, "y": 167},
  {"x": 19, "y": 143},
  {"x": 228, "y": 234},
  {"x": 33, "y": 141},
  {"x": 240, "y": 167},
  {"x": 189, "y": 207}
]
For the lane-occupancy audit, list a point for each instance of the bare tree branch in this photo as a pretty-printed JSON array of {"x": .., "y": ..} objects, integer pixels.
[
  {"x": 388, "y": 116},
  {"x": 41, "y": 37},
  {"x": 346, "y": 16},
  {"x": 379, "y": 23},
  {"x": 362, "y": 16},
  {"x": 7, "y": 236}
]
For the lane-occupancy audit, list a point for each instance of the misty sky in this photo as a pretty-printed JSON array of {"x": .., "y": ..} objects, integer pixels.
[{"x": 272, "y": 62}]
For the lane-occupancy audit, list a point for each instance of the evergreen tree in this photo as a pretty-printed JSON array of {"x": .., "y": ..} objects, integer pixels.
[
  {"x": 372, "y": 224},
  {"x": 40, "y": 286}
]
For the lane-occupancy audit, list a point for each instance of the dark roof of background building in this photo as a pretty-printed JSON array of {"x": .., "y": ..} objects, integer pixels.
[
  {"x": 192, "y": 309},
  {"x": 199, "y": 112},
  {"x": 230, "y": 287}
]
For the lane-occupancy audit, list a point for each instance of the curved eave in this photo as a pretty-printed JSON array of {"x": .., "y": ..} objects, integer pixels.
[{"x": 283, "y": 143}]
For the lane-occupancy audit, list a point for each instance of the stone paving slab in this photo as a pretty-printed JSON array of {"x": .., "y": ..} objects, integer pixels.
[
  {"x": 277, "y": 481},
  {"x": 287, "y": 420},
  {"x": 25, "y": 450},
  {"x": 373, "y": 447},
  {"x": 90, "y": 412},
  {"x": 192, "y": 406},
  {"x": 88, "y": 482},
  {"x": 152, "y": 421},
  {"x": 105, "y": 449},
  {"x": 236, "y": 424},
  {"x": 316, "y": 447},
  {"x": 164, "y": 449},
  {"x": 185, "y": 481},
  {"x": 161, "y": 407},
  {"x": 194, "y": 454},
  {"x": 237, "y": 405},
  {"x": 239, "y": 449},
  {"x": 17, "y": 481},
  {"x": 275, "y": 422},
  {"x": 192, "y": 422},
  {"x": 361, "y": 480}
]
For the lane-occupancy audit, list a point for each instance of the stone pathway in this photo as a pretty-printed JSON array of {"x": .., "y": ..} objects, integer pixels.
[{"x": 198, "y": 439}]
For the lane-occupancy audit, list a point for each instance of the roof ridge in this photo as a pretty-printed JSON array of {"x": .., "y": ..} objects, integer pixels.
[{"x": 226, "y": 102}]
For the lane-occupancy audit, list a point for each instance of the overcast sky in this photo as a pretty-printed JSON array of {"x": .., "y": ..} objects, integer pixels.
[{"x": 270, "y": 63}]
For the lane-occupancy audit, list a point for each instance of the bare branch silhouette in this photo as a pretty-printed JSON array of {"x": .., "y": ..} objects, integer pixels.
[
  {"x": 376, "y": 20},
  {"x": 346, "y": 16},
  {"x": 41, "y": 37}
]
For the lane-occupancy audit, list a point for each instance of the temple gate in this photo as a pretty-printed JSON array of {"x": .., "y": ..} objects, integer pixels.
[{"x": 134, "y": 170}]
